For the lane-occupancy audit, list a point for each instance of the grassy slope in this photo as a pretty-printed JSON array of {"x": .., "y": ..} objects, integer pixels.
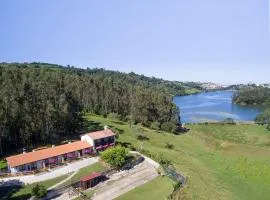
[
  {"x": 157, "y": 189},
  {"x": 220, "y": 161}
]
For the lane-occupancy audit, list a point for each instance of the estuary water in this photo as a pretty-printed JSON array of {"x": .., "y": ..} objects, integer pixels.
[{"x": 213, "y": 106}]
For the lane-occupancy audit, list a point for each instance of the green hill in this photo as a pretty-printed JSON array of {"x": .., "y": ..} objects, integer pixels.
[
  {"x": 220, "y": 161},
  {"x": 43, "y": 103}
]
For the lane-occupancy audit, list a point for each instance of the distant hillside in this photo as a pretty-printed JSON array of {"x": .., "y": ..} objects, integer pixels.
[
  {"x": 252, "y": 95},
  {"x": 43, "y": 103}
]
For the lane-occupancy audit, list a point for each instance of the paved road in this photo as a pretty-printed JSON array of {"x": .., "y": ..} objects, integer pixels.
[{"x": 71, "y": 167}]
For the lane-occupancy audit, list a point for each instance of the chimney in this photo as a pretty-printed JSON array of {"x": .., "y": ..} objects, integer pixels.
[
  {"x": 106, "y": 127},
  {"x": 33, "y": 150},
  {"x": 69, "y": 142},
  {"x": 53, "y": 145}
]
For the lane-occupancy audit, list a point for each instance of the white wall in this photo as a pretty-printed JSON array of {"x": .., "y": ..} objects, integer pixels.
[
  {"x": 40, "y": 164},
  {"x": 86, "y": 138}
]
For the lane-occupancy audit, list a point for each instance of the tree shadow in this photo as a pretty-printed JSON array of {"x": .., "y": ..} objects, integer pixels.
[
  {"x": 118, "y": 122},
  {"x": 123, "y": 144},
  {"x": 142, "y": 138},
  {"x": 8, "y": 188},
  {"x": 117, "y": 130}
]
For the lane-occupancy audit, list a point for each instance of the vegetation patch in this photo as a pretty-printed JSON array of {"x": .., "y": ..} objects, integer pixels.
[
  {"x": 115, "y": 156},
  {"x": 3, "y": 164},
  {"x": 158, "y": 189},
  {"x": 97, "y": 167},
  {"x": 220, "y": 161},
  {"x": 25, "y": 191}
]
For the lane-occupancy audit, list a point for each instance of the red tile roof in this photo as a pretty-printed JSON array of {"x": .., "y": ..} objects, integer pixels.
[
  {"x": 29, "y": 157},
  {"x": 101, "y": 134},
  {"x": 91, "y": 176}
]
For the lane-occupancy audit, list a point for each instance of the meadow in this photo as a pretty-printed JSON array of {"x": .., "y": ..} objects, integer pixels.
[
  {"x": 219, "y": 161},
  {"x": 159, "y": 188}
]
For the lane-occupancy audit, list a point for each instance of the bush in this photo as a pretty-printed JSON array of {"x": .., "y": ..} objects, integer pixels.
[
  {"x": 176, "y": 186},
  {"x": 155, "y": 126},
  {"x": 142, "y": 137},
  {"x": 169, "y": 146},
  {"x": 268, "y": 127},
  {"x": 161, "y": 159},
  {"x": 39, "y": 191},
  {"x": 228, "y": 121},
  {"x": 167, "y": 126},
  {"x": 115, "y": 156},
  {"x": 3, "y": 164},
  {"x": 114, "y": 116}
]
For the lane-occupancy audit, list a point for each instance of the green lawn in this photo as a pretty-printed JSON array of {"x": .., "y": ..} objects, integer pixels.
[
  {"x": 3, "y": 164},
  {"x": 97, "y": 167},
  {"x": 25, "y": 192},
  {"x": 220, "y": 161},
  {"x": 158, "y": 189}
]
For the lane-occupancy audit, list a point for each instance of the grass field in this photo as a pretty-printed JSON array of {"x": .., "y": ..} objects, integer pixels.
[
  {"x": 158, "y": 189},
  {"x": 97, "y": 167},
  {"x": 25, "y": 191},
  {"x": 220, "y": 161}
]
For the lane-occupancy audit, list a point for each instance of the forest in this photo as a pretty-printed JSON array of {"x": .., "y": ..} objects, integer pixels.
[
  {"x": 44, "y": 103},
  {"x": 255, "y": 95},
  {"x": 252, "y": 95}
]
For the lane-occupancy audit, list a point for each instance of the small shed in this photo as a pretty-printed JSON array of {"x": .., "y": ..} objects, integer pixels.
[{"x": 91, "y": 180}]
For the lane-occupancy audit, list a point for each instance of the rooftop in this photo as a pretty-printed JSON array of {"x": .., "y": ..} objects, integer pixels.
[
  {"x": 101, "y": 134},
  {"x": 29, "y": 157},
  {"x": 91, "y": 176}
]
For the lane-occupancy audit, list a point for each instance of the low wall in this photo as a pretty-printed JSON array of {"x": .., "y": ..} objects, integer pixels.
[{"x": 149, "y": 160}]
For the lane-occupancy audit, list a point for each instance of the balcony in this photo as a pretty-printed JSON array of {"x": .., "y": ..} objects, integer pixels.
[{"x": 104, "y": 145}]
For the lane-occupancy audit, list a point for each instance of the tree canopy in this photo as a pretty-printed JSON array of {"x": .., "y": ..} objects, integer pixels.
[
  {"x": 43, "y": 103},
  {"x": 115, "y": 156},
  {"x": 252, "y": 95}
]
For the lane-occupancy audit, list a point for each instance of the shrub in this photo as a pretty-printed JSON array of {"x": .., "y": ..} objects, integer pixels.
[
  {"x": 115, "y": 156},
  {"x": 160, "y": 158},
  {"x": 3, "y": 164},
  {"x": 176, "y": 186},
  {"x": 155, "y": 125},
  {"x": 132, "y": 148},
  {"x": 268, "y": 127},
  {"x": 228, "y": 121},
  {"x": 167, "y": 126},
  {"x": 169, "y": 146},
  {"x": 142, "y": 137},
  {"x": 39, "y": 191},
  {"x": 114, "y": 116}
]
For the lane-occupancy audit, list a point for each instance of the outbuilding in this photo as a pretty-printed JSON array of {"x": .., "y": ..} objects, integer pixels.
[{"x": 91, "y": 180}]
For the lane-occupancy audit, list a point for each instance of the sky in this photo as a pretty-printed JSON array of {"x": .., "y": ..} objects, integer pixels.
[{"x": 223, "y": 41}]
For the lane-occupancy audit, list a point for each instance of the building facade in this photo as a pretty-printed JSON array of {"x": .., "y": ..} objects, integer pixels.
[{"x": 89, "y": 144}]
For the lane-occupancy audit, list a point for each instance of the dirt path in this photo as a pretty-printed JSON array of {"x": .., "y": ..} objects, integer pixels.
[{"x": 125, "y": 181}]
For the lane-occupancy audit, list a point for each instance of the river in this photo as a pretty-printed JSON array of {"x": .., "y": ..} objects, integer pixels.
[{"x": 213, "y": 106}]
